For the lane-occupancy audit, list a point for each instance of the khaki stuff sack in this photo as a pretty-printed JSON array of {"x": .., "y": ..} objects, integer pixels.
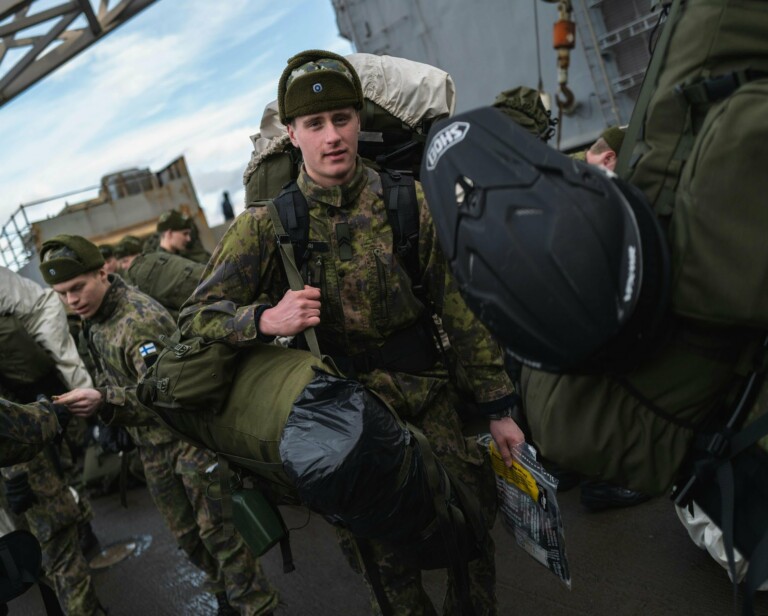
[
  {"x": 402, "y": 99},
  {"x": 170, "y": 279}
]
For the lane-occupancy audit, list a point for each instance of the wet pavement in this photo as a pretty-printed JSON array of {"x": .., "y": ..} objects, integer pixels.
[{"x": 630, "y": 562}]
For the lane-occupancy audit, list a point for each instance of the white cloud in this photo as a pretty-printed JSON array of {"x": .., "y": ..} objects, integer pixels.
[{"x": 184, "y": 77}]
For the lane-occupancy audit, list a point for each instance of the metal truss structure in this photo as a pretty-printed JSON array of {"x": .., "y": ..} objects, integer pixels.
[{"x": 38, "y": 36}]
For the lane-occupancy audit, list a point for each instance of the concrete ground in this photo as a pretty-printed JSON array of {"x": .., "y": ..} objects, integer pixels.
[{"x": 631, "y": 562}]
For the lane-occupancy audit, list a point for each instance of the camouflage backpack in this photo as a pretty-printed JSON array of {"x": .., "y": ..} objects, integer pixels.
[{"x": 168, "y": 278}]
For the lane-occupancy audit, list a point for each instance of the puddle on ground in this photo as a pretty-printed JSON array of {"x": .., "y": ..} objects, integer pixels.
[{"x": 120, "y": 550}]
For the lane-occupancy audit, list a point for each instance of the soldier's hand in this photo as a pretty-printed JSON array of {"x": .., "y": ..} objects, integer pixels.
[
  {"x": 82, "y": 402},
  {"x": 297, "y": 311},
  {"x": 506, "y": 434}
]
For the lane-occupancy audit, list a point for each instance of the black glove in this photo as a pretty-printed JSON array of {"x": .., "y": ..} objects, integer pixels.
[
  {"x": 114, "y": 439},
  {"x": 19, "y": 494}
]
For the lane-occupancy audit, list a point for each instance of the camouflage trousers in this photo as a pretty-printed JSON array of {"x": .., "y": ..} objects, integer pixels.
[
  {"x": 177, "y": 481},
  {"x": 54, "y": 519},
  {"x": 463, "y": 458}
]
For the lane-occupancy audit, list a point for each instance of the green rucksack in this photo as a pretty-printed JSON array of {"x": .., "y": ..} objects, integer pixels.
[
  {"x": 690, "y": 414},
  {"x": 695, "y": 148},
  {"x": 168, "y": 278}
]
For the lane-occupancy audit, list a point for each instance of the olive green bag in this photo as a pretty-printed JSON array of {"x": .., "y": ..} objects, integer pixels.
[
  {"x": 636, "y": 429},
  {"x": 695, "y": 147},
  {"x": 169, "y": 279}
]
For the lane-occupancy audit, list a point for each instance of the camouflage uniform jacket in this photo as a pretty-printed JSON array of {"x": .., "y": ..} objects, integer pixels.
[
  {"x": 24, "y": 430},
  {"x": 123, "y": 333},
  {"x": 364, "y": 300}
]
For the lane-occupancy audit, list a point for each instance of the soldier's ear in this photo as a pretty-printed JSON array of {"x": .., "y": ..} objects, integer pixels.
[{"x": 292, "y": 134}]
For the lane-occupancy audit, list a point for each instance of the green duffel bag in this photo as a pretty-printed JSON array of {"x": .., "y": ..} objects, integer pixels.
[
  {"x": 308, "y": 435},
  {"x": 637, "y": 429}
]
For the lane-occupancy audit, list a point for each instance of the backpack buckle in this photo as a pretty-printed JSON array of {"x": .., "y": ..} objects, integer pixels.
[
  {"x": 283, "y": 239},
  {"x": 718, "y": 445}
]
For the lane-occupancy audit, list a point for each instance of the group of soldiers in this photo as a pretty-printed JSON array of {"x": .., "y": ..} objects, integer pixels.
[{"x": 370, "y": 315}]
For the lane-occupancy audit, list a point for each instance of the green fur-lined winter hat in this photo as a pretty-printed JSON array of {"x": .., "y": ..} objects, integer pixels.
[
  {"x": 315, "y": 81},
  {"x": 67, "y": 256},
  {"x": 129, "y": 245},
  {"x": 173, "y": 221}
]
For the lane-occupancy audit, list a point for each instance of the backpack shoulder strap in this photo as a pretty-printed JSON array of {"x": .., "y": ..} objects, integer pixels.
[
  {"x": 294, "y": 214},
  {"x": 403, "y": 214}
]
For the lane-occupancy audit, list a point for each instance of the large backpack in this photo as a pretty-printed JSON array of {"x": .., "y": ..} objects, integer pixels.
[
  {"x": 696, "y": 147},
  {"x": 690, "y": 414},
  {"x": 402, "y": 99},
  {"x": 170, "y": 279}
]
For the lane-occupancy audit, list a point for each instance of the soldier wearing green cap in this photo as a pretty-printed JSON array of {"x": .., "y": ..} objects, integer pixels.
[
  {"x": 363, "y": 297},
  {"x": 123, "y": 327},
  {"x": 178, "y": 234},
  {"x": 175, "y": 231},
  {"x": 127, "y": 250},
  {"x": 605, "y": 151}
]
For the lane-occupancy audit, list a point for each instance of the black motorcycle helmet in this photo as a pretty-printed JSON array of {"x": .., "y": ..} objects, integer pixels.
[{"x": 566, "y": 265}]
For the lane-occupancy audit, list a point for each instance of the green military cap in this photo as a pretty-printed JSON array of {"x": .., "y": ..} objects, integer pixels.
[
  {"x": 173, "y": 221},
  {"x": 525, "y": 107},
  {"x": 315, "y": 81},
  {"x": 66, "y": 256},
  {"x": 129, "y": 245},
  {"x": 614, "y": 137}
]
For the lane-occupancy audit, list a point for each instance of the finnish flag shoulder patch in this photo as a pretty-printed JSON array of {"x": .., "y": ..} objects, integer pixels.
[{"x": 147, "y": 348}]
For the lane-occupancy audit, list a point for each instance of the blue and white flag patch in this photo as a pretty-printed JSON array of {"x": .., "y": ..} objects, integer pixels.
[{"x": 148, "y": 348}]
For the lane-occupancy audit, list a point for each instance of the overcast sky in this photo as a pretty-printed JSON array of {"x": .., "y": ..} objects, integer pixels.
[{"x": 187, "y": 77}]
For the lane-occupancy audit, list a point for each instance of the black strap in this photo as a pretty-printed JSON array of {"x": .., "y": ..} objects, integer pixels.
[
  {"x": 286, "y": 553},
  {"x": 756, "y": 575},
  {"x": 374, "y": 576},
  {"x": 124, "y": 463},
  {"x": 403, "y": 214},
  {"x": 293, "y": 210},
  {"x": 50, "y": 601}
]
